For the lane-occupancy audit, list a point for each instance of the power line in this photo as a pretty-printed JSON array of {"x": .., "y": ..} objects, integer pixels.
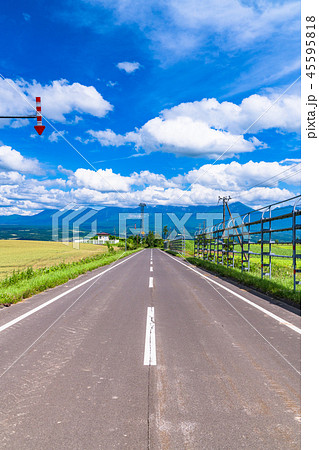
[
  {"x": 274, "y": 183},
  {"x": 275, "y": 176},
  {"x": 102, "y": 175}
]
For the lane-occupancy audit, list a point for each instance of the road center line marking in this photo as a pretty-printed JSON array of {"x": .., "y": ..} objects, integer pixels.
[
  {"x": 151, "y": 284},
  {"x": 151, "y": 269},
  {"x": 265, "y": 311},
  {"x": 32, "y": 311},
  {"x": 150, "y": 344}
]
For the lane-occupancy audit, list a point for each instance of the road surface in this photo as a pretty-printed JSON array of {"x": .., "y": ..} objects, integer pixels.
[{"x": 149, "y": 353}]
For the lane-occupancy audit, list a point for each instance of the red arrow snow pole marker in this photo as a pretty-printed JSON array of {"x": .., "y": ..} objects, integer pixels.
[{"x": 39, "y": 127}]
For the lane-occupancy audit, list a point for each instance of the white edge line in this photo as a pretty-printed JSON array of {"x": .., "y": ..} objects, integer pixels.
[
  {"x": 150, "y": 344},
  {"x": 23, "y": 316},
  {"x": 265, "y": 311}
]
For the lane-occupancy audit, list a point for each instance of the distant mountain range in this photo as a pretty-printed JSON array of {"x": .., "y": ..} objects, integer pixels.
[
  {"x": 50, "y": 223},
  {"x": 107, "y": 219}
]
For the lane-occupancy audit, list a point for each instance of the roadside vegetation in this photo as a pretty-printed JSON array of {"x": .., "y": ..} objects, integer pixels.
[
  {"x": 23, "y": 284},
  {"x": 16, "y": 255},
  {"x": 279, "y": 286}
]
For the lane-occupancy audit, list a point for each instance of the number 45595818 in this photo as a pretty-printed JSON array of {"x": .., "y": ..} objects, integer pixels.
[{"x": 310, "y": 51}]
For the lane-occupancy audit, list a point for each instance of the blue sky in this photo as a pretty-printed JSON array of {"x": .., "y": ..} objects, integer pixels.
[{"x": 168, "y": 102}]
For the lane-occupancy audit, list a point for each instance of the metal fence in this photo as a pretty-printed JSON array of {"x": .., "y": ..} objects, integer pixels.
[
  {"x": 234, "y": 242},
  {"x": 176, "y": 245}
]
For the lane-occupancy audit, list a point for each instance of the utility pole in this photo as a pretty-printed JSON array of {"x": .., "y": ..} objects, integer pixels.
[
  {"x": 225, "y": 201},
  {"x": 142, "y": 205}
]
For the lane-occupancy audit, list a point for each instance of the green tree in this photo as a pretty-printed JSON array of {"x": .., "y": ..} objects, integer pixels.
[
  {"x": 150, "y": 239},
  {"x": 165, "y": 231}
]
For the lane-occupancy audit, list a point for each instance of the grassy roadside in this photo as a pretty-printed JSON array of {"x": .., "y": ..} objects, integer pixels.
[
  {"x": 270, "y": 287},
  {"x": 23, "y": 284},
  {"x": 16, "y": 255}
]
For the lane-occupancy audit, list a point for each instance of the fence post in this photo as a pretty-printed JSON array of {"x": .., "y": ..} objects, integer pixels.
[{"x": 295, "y": 241}]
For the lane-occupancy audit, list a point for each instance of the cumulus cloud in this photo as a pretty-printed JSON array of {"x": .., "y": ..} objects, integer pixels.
[
  {"x": 58, "y": 99},
  {"x": 256, "y": 112},
  {"x": 201, "y": 186},
  {"x": 31, "y": 196},
  {"x": 188, "y": 136},
  {"x": 196, "y": 195},
  {"x": 102, "y": 180},
  {"x": 145, "y": 177},
  {"x": 11, "y": 178},
  {"x": 262, "y": 196},
  {"x": 209, "y": 128},
  {"x": 235, "y": 177},
  {"x": 11, "y": 159},
  {"x": 106, "y": 138},
  {"x": 128, "y": 67}
]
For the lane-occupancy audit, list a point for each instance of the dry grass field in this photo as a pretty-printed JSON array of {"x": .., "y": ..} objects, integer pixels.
[{"x": 18, "y": 255}]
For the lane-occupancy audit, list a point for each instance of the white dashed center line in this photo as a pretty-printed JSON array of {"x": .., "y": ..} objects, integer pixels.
[{"x": 150, "y": 344}]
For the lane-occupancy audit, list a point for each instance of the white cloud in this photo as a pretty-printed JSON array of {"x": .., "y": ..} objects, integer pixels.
[
  {"x": 101, "y": 180},
  {"x": 290, "y": 160},
  {"x": 11, "y": 159},
  {"x": 259, "y": 197},
  {"x": 17, "y": 210},
  {"x": 209, "y": 128},
  {"x": 11, "y": 178},
  {"x": 186, "y": 136},
  {"x": 282, "y": 114},
  {"x": 236, "y": 177},
  {"x": 145, "y": 177},
  {"x": 200, "y": 186},
  {"x": 111, "y": 83},
  {"x": 128, "y": 67},
  {"x": 34, "y": 197},
  {"x": 106, "y": 138},
  {"x": 66, "y": 172},
  {"x": 58, "y": 99},
  {"x": 178, "y": 28},
  {"x": 197, "y": 195},
  {"x": 182, "y": 136},
  {"x": 56, "y": 135}
]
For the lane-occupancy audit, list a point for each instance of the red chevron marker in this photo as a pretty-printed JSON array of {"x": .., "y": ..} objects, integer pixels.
[{"x": 39, "y": 127}]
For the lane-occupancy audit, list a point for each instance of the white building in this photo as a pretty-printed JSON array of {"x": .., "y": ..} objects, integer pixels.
[{"x": 103, "y": 238}]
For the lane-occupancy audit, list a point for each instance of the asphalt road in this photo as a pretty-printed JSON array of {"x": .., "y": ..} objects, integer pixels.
[{"x": 148, "y": 354}]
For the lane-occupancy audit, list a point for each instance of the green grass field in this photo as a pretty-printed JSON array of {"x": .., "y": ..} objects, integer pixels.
[
  {"x": 281, "y": 282},
  {"x": 282, "y": 268},
  {"x": 55, "y": 265},
  {"x": 16, "y": 255}
]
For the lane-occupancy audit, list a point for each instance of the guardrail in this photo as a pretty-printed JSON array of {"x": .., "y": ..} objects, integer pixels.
[{"x": 265, "y": 226}]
